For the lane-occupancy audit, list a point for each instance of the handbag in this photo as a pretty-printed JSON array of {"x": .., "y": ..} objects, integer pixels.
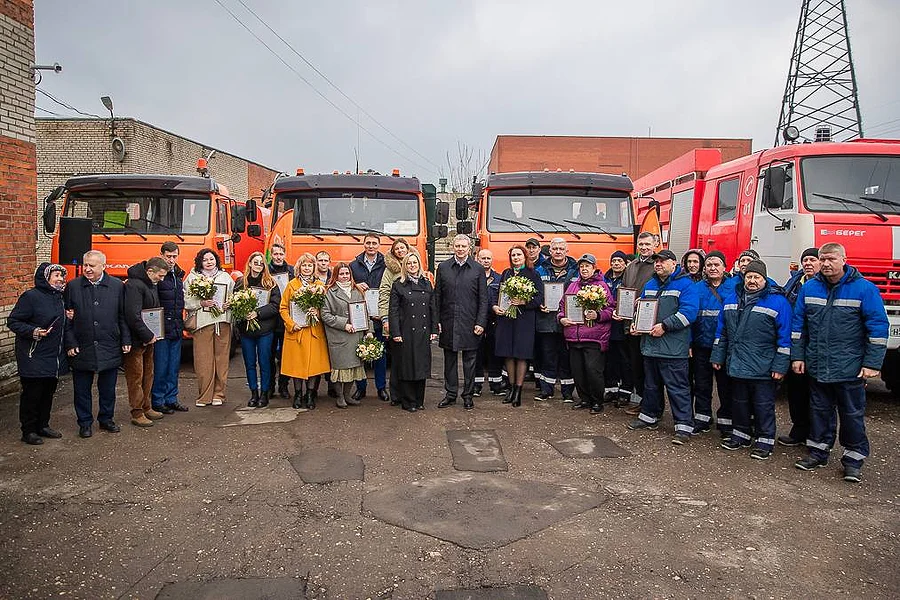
[{"x": 190, "y": 321}]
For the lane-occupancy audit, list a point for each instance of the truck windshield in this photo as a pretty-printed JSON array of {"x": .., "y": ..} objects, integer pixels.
[
  {"x": 608, "y": 212},
  {"x": 852, "y": 184},
  {"x": 142, "y": 212},
  {"x": 391, "y": 213}
]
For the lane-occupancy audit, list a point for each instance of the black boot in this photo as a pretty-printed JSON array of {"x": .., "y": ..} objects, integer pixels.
[
  {"x": 283, "y": 386},
  {"x": 517, "y": 396},
  {"x": 298, "y": 399},
  {"x": 509, "y": 394},
  {"x": 264, "y": 399},
  {"x": 254, "y": 399},
  {"x": 310, "y": 399}
]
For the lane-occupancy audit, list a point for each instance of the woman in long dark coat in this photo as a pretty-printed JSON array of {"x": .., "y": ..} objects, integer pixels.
[
  {"x": 414, "y": 324},
  {"x": 515, "y": 337}
]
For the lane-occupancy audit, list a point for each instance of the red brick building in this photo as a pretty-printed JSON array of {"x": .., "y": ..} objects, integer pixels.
[
  {"x": 18, "y": 173},
  {"x": 634, "y": 156}
]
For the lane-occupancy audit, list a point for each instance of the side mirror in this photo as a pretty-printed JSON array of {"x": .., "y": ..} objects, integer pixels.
[
  {"x": 250, "y": 210},
  {"x": 235, "y": 237},
  {"x": 238, "y": 218},
  {"x": 254, "y": 230},
  {"x": 477, "y": 190},
  {"x": 439, "y": 231},
  {"x": 442, "y": 213},
  {"x": 773, "y": 188},
  {"x": 462, "y": 208},
  {"x": 464, "y": 227},
  {"x": 49, "y": 218}
]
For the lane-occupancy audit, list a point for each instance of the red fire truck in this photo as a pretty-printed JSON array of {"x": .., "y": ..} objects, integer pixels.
[{"x": 783, "y": 200}]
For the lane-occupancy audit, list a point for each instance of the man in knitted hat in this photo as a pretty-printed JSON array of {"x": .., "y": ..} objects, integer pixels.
[
  {"x": 618, "y": 365},
  {"x": 753, "y": 342},
  {"x": 797, "y": 384}
]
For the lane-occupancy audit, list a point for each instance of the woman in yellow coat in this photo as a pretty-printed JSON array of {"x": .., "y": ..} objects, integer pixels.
[{"x": 305, "y": 354}]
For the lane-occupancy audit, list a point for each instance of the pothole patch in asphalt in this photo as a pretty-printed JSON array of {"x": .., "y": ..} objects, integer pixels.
[
  {"x": 516, "y": 592},
  {"x": 478, "y": 511},
  {"x": 326, "y": 465},
  {"x": 595, "y": 446},
  {"x": 259, "y": 416},
  {"x": 476, "y": 450},
  {"x": 276, "y": 588}
]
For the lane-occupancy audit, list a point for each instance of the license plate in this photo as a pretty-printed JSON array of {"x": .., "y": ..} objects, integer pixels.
[{"x": 895, "y": 331}]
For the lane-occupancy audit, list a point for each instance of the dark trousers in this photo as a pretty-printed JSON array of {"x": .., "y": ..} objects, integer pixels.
[
  {"x": 671, "y": 374},
  {"x": 35, "y": 403},
  {"x": 555, "y": 365},
  {"x": 798, "y": 404},
  {"x": 587, "y": 362},
  {"x": 412, "y": 393},
  {"x": 754, "y": 399},
  {"x": 451, "y": 374},
  {"x": 849, "y": 398},
  {"x": 277, "y": 346},
  {"x": 704, "y": 374},
  {"x": 633, "y": 343},
  {"x": 618, "y": 367},
  {"x": 379, "y": 367},
  {"x": 166, "y": 362},
  {"x": 257, "y": 351},
  {"x": 488, "y": 366},
  {"x": 83, "y": 384}
]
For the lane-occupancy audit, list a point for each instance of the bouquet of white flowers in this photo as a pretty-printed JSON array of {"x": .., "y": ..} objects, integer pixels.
[
  {"x": 370, "y": 349},
  {"x": 517, "y": 288},
  {"x": 243, "y": 302},
  {"x": 203, "y": 288}
]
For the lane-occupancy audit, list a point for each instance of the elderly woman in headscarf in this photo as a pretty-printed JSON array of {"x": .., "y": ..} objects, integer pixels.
[{"x": 39, "y": 319}]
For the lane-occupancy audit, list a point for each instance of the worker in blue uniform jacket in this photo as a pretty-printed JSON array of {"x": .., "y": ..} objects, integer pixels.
[
  {"x": 840, "y": 334},
  {"x": 753, "y": 341}
]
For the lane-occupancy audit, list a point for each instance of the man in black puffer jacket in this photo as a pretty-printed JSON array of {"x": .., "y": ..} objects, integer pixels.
[
  {"x": 141, "y": 294},
  {"x": 39, "y": 320},
  {"x": 167, "y": 351},
  {"x": 95, "y": 341}
]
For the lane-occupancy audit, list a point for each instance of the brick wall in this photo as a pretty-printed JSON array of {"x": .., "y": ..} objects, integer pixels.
[
  {"x": 18, "y": 183},
  {"x": 615, "y": 155},
  {"x": 66, "y": 147}
]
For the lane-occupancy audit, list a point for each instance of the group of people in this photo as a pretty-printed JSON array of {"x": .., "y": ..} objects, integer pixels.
[{"x": 823, "y": 334}]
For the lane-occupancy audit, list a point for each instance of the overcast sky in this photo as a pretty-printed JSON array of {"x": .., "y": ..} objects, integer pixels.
[{"x": 439, "y": 74}]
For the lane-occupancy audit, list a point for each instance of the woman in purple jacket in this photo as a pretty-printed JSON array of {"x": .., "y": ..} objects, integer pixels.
[{"x": 588, "y": 345}]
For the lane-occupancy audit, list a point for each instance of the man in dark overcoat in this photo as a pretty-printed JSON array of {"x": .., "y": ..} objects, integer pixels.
[
  {"x": 462, "y": 302},
  {"x": 96, "y": 341}
]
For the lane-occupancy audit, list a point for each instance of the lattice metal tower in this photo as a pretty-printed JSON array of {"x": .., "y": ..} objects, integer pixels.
[{"x": 821, "y": 85}]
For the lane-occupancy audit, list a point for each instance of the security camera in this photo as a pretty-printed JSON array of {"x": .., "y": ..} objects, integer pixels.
[
  {"x": 57, "y": 67},
  {"x": 54, "y": 67}
]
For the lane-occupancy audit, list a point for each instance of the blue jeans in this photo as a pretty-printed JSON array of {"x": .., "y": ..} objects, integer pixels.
[
  {"x": 83, "y": 384},
  {"x": 671, "y": 373},
  {"x": 166, "y": 362},
  {"x": 379, "y": 366},
  {"x": 258, "y": 351},
  {"x": 849, "y": 397},
  {"x": 756, "y": 397}
]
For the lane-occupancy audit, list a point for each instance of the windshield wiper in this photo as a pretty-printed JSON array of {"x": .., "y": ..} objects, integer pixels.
[
  {"x": 520, "y": 226},
  {"x": 597, "y": 227},
  {"x": 390, "y": 237},
  {"x": 341, "y": 231},
  {"x": 100, "y": 231},
  {"x": 129, "y": 228},
  {"x": 854, "y": 202},
  {"x": 880, "y": 200},
  {"x": 166, "y": 227},
  {"x": 545, "y": 221}
]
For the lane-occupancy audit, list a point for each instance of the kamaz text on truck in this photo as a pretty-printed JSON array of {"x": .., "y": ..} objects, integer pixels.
[{"x": 784, "y": 200}]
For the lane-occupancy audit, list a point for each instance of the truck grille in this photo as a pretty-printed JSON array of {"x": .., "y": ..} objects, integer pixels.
[{"x": 877, "y": 274}]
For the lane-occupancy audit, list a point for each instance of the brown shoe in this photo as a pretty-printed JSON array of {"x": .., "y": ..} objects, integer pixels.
[
  {"x": 141, "y": 421},
  {"x": 153, "y": 415},
  {"x": 633, "y": 409}
]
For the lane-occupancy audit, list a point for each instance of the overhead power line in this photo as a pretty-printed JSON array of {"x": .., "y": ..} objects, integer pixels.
[
  {"x": 334, "y": 85},
  {"x": 49, "y": 112},
  {"x": 65, "y": 105},
  {"x": 319, "y": 93}
]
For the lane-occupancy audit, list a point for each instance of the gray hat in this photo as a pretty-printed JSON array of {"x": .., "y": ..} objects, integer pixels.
[
  {"x": 588, "y": 258},
  {"x": 753, "y": 254},
  {"x": 756, "y": 266}
]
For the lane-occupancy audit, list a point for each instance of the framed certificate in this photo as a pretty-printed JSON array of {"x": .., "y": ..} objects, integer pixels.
[
  {"x": 372, "y": 302},
  {"x": 153, "y": 319},
  {"x": 219, "y": 295},
  {"x": 262, "y": 296},
  {"x": 281, "y": 280},
  {"x": 553, "y": 295},
  {"x": 503, "y": 301},
  {"x": 299, "y": 316},
  {"x": 625, "y": 300},
  {"x": 359, "y": 316},
  {"x": 645, "y": 315},
  {"x": 574, "y": 312}
]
